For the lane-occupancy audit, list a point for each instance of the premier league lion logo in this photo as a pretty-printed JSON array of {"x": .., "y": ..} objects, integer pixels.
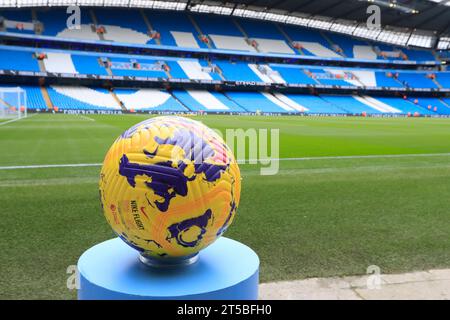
[{"x": 169, "y": 186}]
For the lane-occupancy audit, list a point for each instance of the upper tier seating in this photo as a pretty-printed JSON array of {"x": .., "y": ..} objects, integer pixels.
[
  {"x": 184, "y": 30},
  {"x": 197, "y": 69},
  {"x": 416, "y": 80},
  {"x": 293, "y": 74},
  {"x": 383, "y": 80},
  {"x": 86, "y": 64},
  {"x": 147, "y": 68},
  {"x": 129, "y": 19},
  {"x": 331, "y": 77},
  {"x": 238, "y": 71},
  {"x": 17, "y": 60},
  {"x": 347, "y": 45},
  {"x": 444, "y": 79},
  {"x": 175, "y": 29}
]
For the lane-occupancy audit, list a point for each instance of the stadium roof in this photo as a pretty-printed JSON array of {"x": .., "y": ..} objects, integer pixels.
[{"x": 432, "y": 15}]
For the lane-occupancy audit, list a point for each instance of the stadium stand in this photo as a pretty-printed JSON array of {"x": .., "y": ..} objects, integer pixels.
[
  {"x": 148, "y": 100},
  {"x": 260, "y": 102},
  {"x": 350, "y": 104},
  {"x": 23, "y": 60},
  {"x": 185, "y": 30},
  {"x": 405, "y": 106},
  {"x": 200, "y": 100},
  {"x": 192, "y": 31},
  {"x": 416, "y": 80},
  {"x": 433, "y": 104},
  {"x": 81, "y": 98},
  {"x": 315, "y": 104}
]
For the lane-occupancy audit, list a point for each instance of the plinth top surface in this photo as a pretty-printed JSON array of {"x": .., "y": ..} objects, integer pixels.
[{"x": 115, "y": 266}]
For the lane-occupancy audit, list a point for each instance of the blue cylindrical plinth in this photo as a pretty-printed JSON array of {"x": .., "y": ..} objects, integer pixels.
[{"x": 226, "y": 270}]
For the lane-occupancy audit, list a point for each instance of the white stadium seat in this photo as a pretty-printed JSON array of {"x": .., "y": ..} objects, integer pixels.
[{"x": 59, "y": 62}]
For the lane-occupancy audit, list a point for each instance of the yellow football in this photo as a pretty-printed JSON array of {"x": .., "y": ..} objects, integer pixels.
[{"x": 169, "y": 187}]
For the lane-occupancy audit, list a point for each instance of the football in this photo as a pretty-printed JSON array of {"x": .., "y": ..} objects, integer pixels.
[{"x": 169, "y": 187}]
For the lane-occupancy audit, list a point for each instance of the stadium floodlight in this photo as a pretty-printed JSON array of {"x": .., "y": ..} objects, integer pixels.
[
  {"x": 166, "y": 5},
  {"x": 31, "y": 3},
  {"x": 203, "y": 8},
  {"x": 394, "y": 37},
  {"x": 90, "y": 3},
  {"x": 298, "y": 20},
  {"x": 320, "y": 23},
  {"x": 362, "y": 31},
  {"x": 444, "y": 43},
  {"x": 421, "y": 40},
  {"x": 245, "y": 13},
  {"x": 342, "y": 26},
  {"x": 8, "y": 3},
  {"x": 61, "y": 3},
  {"x": 275, "y": 17},
  {"x": 116, "y": 3}
]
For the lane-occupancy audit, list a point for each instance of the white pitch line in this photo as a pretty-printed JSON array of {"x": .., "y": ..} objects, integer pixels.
[
  {"x": 86, "y": 118},
  {"x": 386, "y": 156},
  {"x": 14, "y": 120},
  {"x": 375, "y": 156}
]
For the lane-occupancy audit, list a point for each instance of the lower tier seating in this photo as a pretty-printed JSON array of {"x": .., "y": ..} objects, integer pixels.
[{"x": 86, "y": 98}]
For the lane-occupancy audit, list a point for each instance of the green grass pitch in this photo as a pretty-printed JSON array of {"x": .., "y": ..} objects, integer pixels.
[{"x": 319, "y": 217}]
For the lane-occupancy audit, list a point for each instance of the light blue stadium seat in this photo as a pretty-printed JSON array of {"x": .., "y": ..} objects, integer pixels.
[
  {"x": 64, "y": 102},
  {"x": 326, "y": 78},
  {"x": 443, "y": 78},
  {"x": 315, "y": 104},
  {"x": 86, "y": 64},
  {"x": 307, "y": 35},
  {"x": 384, "y": 81},
  {"x": 34, "y": 97},
  {"x": 195, "y": 105},
  {"x": 419, "y": 55},
  {"x": 18, "y": 60},
  {"x": 293, "y": 74},
  {"x": 35, "y": 100},
  {"x": 55, "y": 20},
  {"x": 164, "y": 22},
  {"x": 214, "y": 75},
  {"x": 346, "y": 43},
  {"x": 260, "y": 29},
  {"x": 125, "y": 18},
  {"x": 416, "y": 80},
  {"x": 404, "y": 105},
  {"x": 425, "y": 102},
  {"x": 237, "y": 71},
  {"x": 349, "y": 104},
  {"x": 176, "y": 71},
  {"x": 170, "y": 105},
  {"x": 118, "y": 68},
  {"x": 255, "y": 101},
  {"x": 22, "y": 15},
  {"x": 212, "y": 24}
]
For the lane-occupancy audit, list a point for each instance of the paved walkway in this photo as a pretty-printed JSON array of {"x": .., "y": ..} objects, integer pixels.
[{"x": 432, "y": 284}]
